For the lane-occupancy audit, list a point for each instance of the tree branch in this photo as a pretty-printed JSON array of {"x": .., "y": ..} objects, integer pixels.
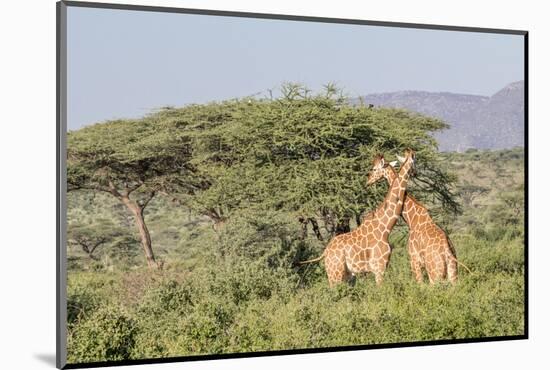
[
  {"x": 101, "y": 241},
  {"x": 315, "y": 227},
  {"x": 129, "y": 189},
  {"x": 82, "y": 244},
  {"x": 146, "y": 201},
  {"x": 113, "y": 190},
  {"x": 75, "y": 187}
]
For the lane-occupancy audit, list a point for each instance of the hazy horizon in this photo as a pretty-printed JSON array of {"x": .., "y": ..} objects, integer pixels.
[{"x": 124, "y": 64}]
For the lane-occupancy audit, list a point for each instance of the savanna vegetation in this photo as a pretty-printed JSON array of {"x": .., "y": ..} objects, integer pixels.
[{"x": 185, "y": 228}]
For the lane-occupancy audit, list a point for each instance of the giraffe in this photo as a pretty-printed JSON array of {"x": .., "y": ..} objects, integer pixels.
[
  {"x": 429, "y": 246},
  {"x": 366, "y": 249}
]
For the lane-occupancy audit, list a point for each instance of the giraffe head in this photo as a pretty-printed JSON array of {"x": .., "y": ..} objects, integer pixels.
[
  {"x": 379, "y": 169},
  {"x": 382, "y": 169},
  {"x": 409, "y": 161},
  {"x": 410, "y": 155}
]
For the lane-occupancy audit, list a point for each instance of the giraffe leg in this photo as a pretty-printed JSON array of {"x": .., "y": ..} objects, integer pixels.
[
  {"x": 379, "y": 277},
  {"x": 416, "y": 268},
  {"x": 415, "y": 260},
  {"x": 330, "y": 266},
  {"x": 339, "y": 275},
  {"x": 441, "y": 270},
  {"x": 452, "y": 268},
  {"x": 431, "y": 274},
  {"x": 430, "y": 268},
  {"x": 380, "y": 268},
  {"x": 335, "y": 267},
  {"x": 437, "y": 269}
]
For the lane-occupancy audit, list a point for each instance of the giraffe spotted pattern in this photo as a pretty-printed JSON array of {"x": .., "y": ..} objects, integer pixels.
[
  {"x": 366, "y": 249},
  {"x": 428, "y": 246}
]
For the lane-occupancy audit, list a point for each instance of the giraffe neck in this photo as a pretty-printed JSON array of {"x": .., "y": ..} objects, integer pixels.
[
  {"x": 390, "y": 210},
  {"x": 411, "y": 207}
]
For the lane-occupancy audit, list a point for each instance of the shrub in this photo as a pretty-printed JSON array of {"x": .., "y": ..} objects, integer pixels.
[
  {"x": 204, "y": 330},
  {"x": 168, "y": 296},
  {"x": 108, "y": 334},
  {"x": 241, "y": 281},
  {"x": 85, "y": 293},
  {"x": 80, "y": 303}
]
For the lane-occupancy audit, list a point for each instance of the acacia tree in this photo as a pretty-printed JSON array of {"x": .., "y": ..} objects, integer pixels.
[
  {"x": 308, "y": 155},
  {"x": 469, "y": 192},
  {"x": 89, "y": 237},
  {"x": 132, "y": 160}
]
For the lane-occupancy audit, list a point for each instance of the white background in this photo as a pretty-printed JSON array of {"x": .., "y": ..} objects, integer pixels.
[{"x": 27, "y": 181}]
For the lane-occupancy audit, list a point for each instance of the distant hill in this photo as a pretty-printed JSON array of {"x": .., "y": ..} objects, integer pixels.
[{"x": 481, "y": 122}]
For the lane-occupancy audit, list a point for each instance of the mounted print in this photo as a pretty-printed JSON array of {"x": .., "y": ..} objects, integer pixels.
[{"x": 235, "y": 184}]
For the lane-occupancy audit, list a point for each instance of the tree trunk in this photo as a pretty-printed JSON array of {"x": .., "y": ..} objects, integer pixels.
[
  {"x": 316, "y": 229},
  {"x": 342, "y": 226},
  {"x": 137, "y": 211},
  {"x": 303, "y": 221},
  {"x": 358, "y": 219},
  {"x": 92, "y": 257}
]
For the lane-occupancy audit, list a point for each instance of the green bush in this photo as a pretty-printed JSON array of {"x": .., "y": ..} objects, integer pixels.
[
  {"x": 168, "y": 296},
  {"x": 239, "y": 306},
  {"x": 85, "y": 293},
  {"x": 108, "y": 334},
  {"x": 80, "y": 303}
]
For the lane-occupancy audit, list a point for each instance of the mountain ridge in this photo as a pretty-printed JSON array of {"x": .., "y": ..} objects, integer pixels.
[{"x": 476, "y": 121}]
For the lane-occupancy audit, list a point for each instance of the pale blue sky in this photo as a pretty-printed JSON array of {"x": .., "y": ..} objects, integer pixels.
[{"x": 123, "y": 64}]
